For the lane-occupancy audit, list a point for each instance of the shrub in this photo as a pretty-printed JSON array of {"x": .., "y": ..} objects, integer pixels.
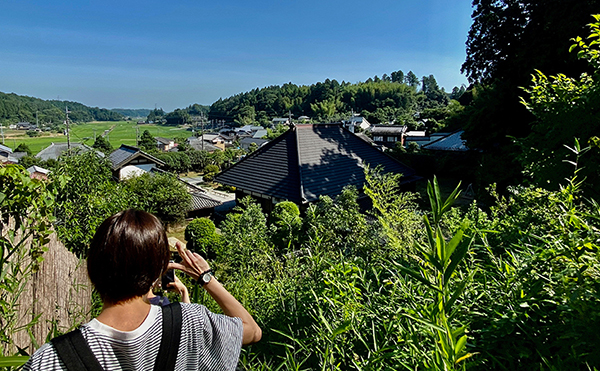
[
  {"x": 286, "y": 224},
  {"x": 201, "y": 237},
  {"x": 211, "y": 169}
]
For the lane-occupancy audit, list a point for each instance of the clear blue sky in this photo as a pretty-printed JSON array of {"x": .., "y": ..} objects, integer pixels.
[{"x": 135, "y": 54}]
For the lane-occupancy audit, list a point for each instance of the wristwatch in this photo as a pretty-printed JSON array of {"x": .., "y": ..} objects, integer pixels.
[{"x": 205, "y": 277}]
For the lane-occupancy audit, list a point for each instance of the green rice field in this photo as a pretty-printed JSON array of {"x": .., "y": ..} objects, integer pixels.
[{"x": 120, "y": 132}]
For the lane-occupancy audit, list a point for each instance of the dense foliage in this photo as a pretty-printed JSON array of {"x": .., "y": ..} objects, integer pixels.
[
  {"x": 565, "y": 108},
  {"x": 513, "y": 288},
  {"x": 88, "y": 194},
  {"x": 178, "y": 116},
  {"x": 381, "y": 100},
  {"x": 26, "y": 217},
  {"x": 201, "y": 237},
  {"x": 18, "y": 108}
]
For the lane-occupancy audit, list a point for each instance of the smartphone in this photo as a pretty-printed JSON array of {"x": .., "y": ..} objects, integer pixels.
[{"x": 168, "y": 278}]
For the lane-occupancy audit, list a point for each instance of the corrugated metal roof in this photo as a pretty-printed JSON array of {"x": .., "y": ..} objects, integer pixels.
[{"x": 309, "y": 161}]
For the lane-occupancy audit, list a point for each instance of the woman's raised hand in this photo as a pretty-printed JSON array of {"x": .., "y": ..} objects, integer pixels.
[{"x": 192, "y": 263}]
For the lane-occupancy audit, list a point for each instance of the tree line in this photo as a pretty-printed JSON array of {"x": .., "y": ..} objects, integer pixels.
[
  {"x": 397, "y": 97},
  {"x": 19, "y": 108}
]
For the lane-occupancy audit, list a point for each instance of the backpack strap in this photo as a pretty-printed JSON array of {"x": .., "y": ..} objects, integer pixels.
[
  {"x": 171, "y": 335},
  {"x": 74, "y": 352}
]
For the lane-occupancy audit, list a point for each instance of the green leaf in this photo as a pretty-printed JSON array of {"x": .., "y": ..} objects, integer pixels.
[
  {"x": 13, "y": 361},
  {"x": 451, "y": 246},
  {"x": 458, "y": 255},
  {"x": 460, "y": 345},
  {"x": 416, "y": 276},
  {"x": 345, "y": 326},
  {"x": 426, "y": 323}
]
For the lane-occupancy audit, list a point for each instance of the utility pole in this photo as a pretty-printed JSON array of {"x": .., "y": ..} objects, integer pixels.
[
  {"x": 137, "y": 136},
  {"x": 2, "y": 130},
  {"x": 68, "y": 131},
  {"x": 202, "y": 123}
]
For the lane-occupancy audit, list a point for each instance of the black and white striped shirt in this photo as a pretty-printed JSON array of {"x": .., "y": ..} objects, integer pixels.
[{"x": 209, "y": 341}]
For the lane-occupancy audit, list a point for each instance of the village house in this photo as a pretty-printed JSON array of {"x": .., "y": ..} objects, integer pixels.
[
  {"x": 281, "y": 121},
  {"x": 165, "y": 144},
  {"x": 306, "y": 162},
  {"x": 5, "y": 151},
  {"x": 37, "y": 172},
  {"x": 355, "y": 122},
  {"x": 388, "y": 135},
  {"x": 246, "y": 143},
  {"x": 128, "y": 161}
]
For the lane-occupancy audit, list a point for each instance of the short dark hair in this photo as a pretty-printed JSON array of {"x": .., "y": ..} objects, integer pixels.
[{"x": 128, "y": 253}]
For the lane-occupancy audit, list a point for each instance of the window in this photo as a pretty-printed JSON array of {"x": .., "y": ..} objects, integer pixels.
[
  {"x": 391, "y": 139},
  {"x": 378, "y": 139}
]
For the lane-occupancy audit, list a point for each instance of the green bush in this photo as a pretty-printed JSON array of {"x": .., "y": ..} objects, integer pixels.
[
  {"x": 211, "y": 169},
  {"x": 201, "y": 237},
  {"x": 286, "y": 225}
]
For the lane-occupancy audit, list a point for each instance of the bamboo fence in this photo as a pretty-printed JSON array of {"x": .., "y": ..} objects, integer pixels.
[{"x": 60, "y": 292}]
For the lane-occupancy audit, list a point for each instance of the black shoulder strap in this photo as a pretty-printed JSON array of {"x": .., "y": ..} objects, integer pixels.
[
  {"x": 75, "y": 353},
  {"x": 171, "y": 334}
]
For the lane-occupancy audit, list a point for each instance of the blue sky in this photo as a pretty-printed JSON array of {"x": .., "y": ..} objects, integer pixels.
[{"x": 138, "y": 54}]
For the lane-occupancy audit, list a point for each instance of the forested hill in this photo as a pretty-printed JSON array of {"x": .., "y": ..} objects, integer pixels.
[
  {"x": 130, "y": 112},
  {"x": 17, "y": 108},
  {"x": 398, "y": 97}
]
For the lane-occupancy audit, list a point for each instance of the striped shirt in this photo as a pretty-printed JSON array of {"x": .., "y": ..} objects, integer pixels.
[{"x": 209, "y": 341}]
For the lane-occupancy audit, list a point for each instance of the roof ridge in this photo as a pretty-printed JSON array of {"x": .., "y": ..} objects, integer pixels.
[
  {"x": 300, "y": 178},
  {"x": 258, "y": 151}
]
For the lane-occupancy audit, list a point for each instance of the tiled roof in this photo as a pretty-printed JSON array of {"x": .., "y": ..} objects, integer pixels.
[
  {"x": 125, "y": 153},
  {"x": 202, "y": 201},
  {"x": 309, "y": 161},
  {"x": 247, "y": 141},
  {"x": 197, "y": 145},
  {"x": 387, "y": 129},
  {"x": 5, "y": 148},
  {"x": 163, "y": 140},
  {"x": 200, "y": 198},
  {"x": 55, "y": 150},
  {"x": 452, "y": 142},
  {"x": 271, "y": 170},
  {"x": 260, "y": 133}
]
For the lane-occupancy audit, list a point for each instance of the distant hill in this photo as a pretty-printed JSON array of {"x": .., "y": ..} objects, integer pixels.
[
  {"x": 130, "y": 112},
  {"x": 16, "y": 108}
]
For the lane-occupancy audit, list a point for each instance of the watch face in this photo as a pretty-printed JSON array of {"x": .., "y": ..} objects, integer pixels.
[{"x": 206, "y": 278}]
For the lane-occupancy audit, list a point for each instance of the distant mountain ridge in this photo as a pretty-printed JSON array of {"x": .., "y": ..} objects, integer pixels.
[
  {"x": 133, "y": 112},
  {"x": 21, "y": 108}
]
